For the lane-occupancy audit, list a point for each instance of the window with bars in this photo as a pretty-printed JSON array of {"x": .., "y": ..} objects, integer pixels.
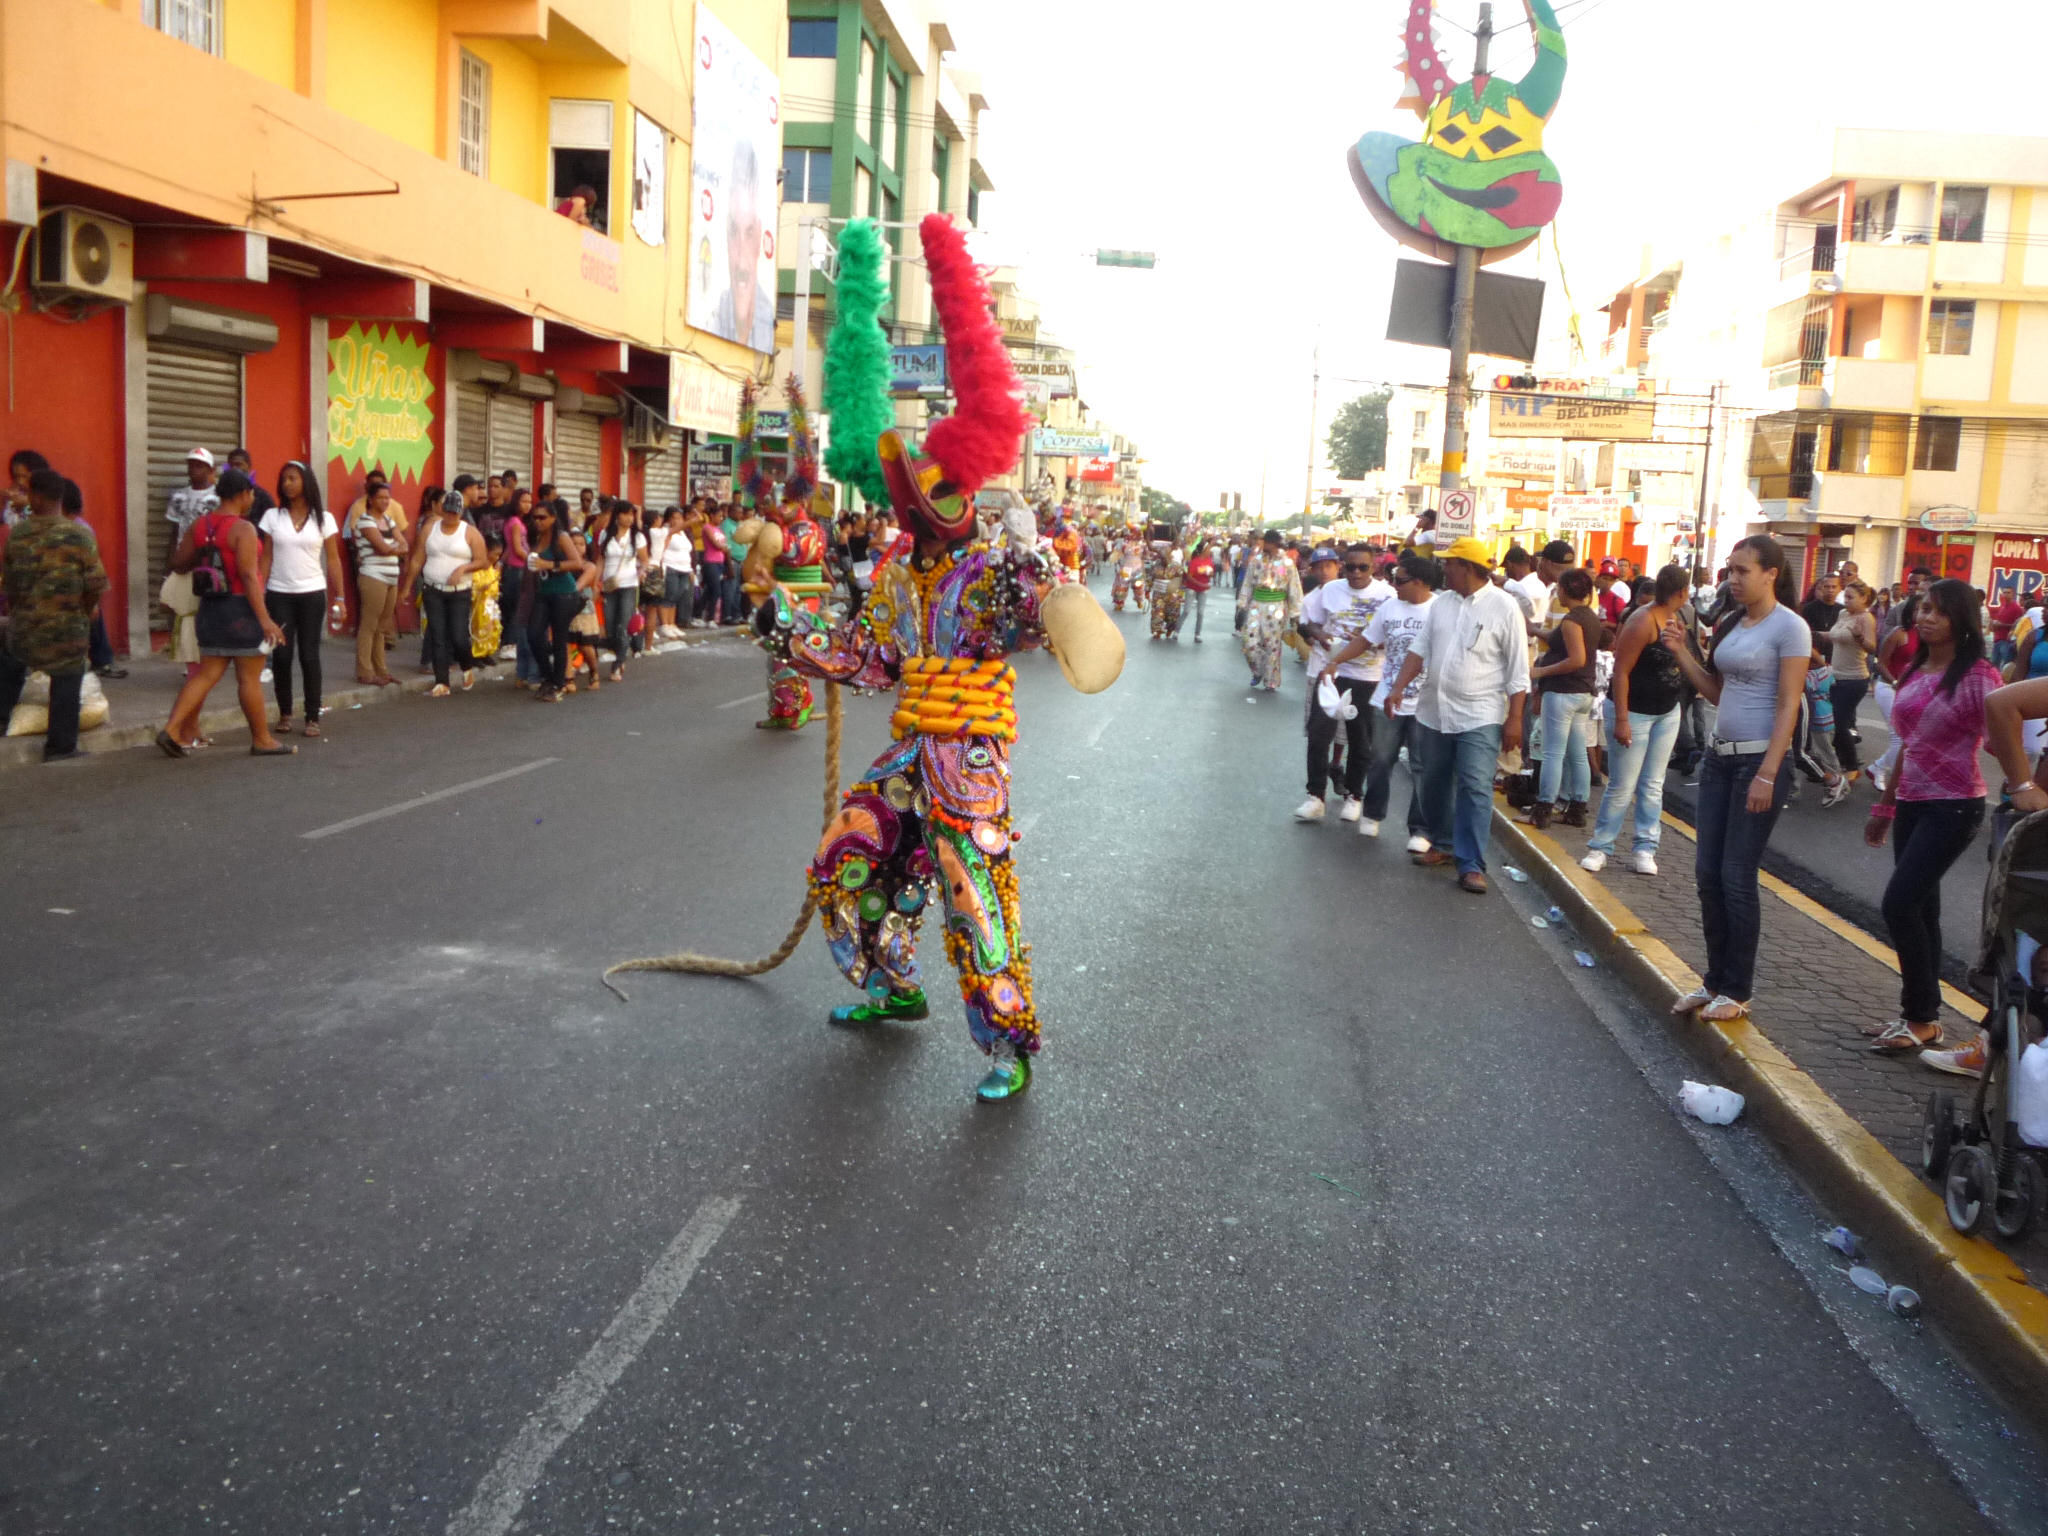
[
  {"x": 1938, "y": 444},
  {"x": 197, "y": 22},
  {"x": 1950, "y": 326},
  {"x": 475, "y": 124}
]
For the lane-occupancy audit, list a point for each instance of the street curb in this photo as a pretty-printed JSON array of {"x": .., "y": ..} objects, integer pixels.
[
  {"x": 226, "y": 721},
  {"x": 1980, "y": 1296}
]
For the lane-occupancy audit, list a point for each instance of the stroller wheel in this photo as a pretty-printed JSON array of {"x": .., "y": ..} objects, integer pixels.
[
  {"x": 1937, "y": 1134},
  {"x": 2018, "y": 1203},
  {"x": 1971, "y": 1188}
]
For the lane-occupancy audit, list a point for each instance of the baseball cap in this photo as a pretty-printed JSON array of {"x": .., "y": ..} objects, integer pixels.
[
  {"x": 200, "y": 455},
  {"x": 1472, "y": 551},
  {"x": 1323, "y": 552},
  {"x": 1558, "y": 552},
  {"x": 1609, "y": 568}
]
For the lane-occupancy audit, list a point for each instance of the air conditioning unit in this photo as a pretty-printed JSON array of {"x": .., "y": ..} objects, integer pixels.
[
  {"x": 1827, "y": 283},
  {"x": 647, "y": 431},
  {"x": 84, "y": 255}
]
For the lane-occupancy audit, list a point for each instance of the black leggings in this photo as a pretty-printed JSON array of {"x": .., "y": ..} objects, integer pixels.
[
  {"x": 447, "y": 630},
  {"x": 548, "y": 635},
  {"x": 302, "y": 616},
  {"x": 1927, "y": 839}
]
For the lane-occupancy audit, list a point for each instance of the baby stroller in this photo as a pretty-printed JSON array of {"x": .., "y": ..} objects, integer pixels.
[{"x": 1973, "y": 1150}]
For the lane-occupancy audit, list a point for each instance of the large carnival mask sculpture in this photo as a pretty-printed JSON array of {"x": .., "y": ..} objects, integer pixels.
[
  {"x": 933, "y": 490},
  {"x": 1479, "y": 177}
]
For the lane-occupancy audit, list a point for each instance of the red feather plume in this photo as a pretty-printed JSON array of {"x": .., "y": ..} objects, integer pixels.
[{"x": 985, "y": 433}]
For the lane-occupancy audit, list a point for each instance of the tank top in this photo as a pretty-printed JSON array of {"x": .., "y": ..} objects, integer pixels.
[
  {"x": 446, "y": 553},
  {"x": 213, "y": 529},
  {"x": 1655, "y": 683}
]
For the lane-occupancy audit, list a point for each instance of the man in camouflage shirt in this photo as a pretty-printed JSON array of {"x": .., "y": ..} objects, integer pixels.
[{"x": 53, "y": 579}]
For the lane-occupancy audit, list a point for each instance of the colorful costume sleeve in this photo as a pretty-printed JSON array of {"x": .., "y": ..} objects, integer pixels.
[
  {"x": 1294, "y": 598},
  {"x": 850, "y": 653}
]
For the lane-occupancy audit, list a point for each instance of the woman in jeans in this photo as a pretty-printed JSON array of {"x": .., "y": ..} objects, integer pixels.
[
  {"x": 1853, "y": 641},
  {"x": 1755, "y": 675},
  {"x": 1642, "y": 724},
  {"x": 622, "y": 558},
  {"x": 511, "y": 585},
  {"x": 381, "y": 547},
  {"x": 1566, "y": 673},
  {"x": 671, "y": 555},
  {"x": 302, "y": 566},
  {"x": 554, "y": 563},
  {"x": 1935, "y": 794},
  {"x": 448, "y": 552}
]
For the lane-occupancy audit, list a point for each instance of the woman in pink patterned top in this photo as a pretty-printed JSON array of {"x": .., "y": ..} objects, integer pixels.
[{"x": 1936, "y": 796}]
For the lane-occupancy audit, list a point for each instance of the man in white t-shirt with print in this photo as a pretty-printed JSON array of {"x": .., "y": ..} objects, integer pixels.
[
  {"x": 1394, "y": 628},
  {"x": 1332, "y": 616}
]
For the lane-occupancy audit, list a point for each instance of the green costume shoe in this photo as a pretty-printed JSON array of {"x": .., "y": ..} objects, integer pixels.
[
  {"x": 897, "y": 1007},
  {"x": 1008, "y": 1076}
]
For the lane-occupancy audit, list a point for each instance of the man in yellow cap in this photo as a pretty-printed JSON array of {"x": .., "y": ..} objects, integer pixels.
[{"x": 1472, "y": 654}]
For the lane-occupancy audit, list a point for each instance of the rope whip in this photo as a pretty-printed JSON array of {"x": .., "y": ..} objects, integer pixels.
[{"x": 712, "y": 965}]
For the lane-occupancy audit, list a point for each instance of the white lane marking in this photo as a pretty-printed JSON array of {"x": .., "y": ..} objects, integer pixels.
[
  {"x": 752, "y": 698},
  {"x": 503, "y": 1492},
  {"x": 1027, "y": 823},
  {"x": 419, "y": 800}
]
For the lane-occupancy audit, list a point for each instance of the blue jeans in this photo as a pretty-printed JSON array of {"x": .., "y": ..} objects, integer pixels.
[
  {"x": 510, "y": 579},
  {"x": 1457, "y": 775},
  {"x": 1731, "y": 846},
  {"x": 1635, "y": 775},
  {"x": 1566, "y": 775},
  {"x": 1388, "y": 738}
]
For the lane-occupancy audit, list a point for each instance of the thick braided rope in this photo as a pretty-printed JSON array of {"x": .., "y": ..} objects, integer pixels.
[{"x": 712, "y": 965}]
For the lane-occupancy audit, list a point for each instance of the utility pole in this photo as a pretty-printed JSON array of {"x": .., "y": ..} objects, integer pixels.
[
  {"x": 1703, "y": 536},
  {"x": 1464, "y": 283},
  {"x": 1315, "y": 400}
]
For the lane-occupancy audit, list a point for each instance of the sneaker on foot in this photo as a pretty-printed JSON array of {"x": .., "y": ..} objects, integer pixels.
[
  {"x": 1593, "y": 862},
  {"x": 1837, "y": 792},
  {"x": 1645, "y": 863},
  {"x": 1009, "y": 1074},
  {"x": 1963, "y": 1061},
  {"x": 1310, "y": 809},
  {"x": 1367, "y": 827},
  {"x": 1353, "y": 809},
  {"x": 1418, "y": 844}
]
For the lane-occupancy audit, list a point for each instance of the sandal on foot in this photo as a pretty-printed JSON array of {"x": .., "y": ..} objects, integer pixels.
[
  {"x": 1697, "y": 998},
  {"x": 438, "y": 691},
  {"x": 279, "y": 749},
  {"x": 1900, "y": 1040},
  {"x": 282, "y": 728},
  {"x": 169, "y": 744},
  {"x": 1724, "y": 1010},
  {"x": 311, "y": 729}
]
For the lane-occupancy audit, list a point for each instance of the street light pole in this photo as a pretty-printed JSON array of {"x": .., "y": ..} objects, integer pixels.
[
  {"x": 1315, "y": 400},
  {"x": 1464, "y": 284}
]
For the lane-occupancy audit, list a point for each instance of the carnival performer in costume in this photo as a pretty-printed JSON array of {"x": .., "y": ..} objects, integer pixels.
[
  {"x": 1169, "y": 592},
  {"x": 787, "y": 551},
  {"x": 932, "y": 815},
  {"x": 1130, "y": 569},
  {"x": 1067, "y": 547},
  {"x": 1270, "y": 603}
]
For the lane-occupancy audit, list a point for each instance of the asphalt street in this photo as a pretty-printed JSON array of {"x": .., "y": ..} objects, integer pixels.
[{"x": 339, "y": 1196}]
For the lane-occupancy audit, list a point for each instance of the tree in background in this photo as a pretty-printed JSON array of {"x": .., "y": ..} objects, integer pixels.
[
  {"x": 1358, "y": 437},
  {"x": 1159, "y": 507}
]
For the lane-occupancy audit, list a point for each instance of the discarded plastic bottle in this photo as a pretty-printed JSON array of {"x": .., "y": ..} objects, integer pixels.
[
  {"x": 1555, "y": 914},
  {"x": 1514, "y": 874},
  {"x": 1845, "y": 1242},
  {"x": 1903, "y": 1300}
]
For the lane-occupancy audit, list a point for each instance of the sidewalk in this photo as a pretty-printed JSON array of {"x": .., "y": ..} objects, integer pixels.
[
  {"x": 138, "y": 704},
  {"x": 1849, "y": 1121}
]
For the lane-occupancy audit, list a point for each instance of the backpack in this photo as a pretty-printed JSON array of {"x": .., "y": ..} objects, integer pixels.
[{"x": 210, "y": 565}]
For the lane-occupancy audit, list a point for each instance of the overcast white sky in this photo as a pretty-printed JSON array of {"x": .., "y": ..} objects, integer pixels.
[{"x": 1215, "y": 136}]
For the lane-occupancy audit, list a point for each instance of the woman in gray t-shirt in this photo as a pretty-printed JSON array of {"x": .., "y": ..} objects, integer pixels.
[{"x": 1755, "y": 675}]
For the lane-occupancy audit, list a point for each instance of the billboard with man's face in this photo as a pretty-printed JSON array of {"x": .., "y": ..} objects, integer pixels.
[{"x": 736, "y": 150}]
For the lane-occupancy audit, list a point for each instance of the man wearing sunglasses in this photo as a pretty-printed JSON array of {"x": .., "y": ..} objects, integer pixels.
[
  {"x": 1333, "y": 617},
  {"x": 1393, "y": 629}
]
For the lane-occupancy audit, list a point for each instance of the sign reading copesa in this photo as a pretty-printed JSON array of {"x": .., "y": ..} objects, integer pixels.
[{"x": 377, "y": 411}]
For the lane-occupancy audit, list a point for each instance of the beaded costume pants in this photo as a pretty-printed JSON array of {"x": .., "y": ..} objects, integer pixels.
[
  {"x": 931, "y": 816},
  {"x": 1169, "y": 609},
  {"x": 789, "y": 691},
  {"x": 1125, "y": 584}
]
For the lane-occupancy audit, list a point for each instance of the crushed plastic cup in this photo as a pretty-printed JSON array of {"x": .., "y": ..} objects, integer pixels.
[
  {"x": 1555, "y": 914},
  {"x": 1869, "y": 1281},
  {"x": 1539, "y": 922},
  {"x": 1585, "y": 960},
  {"x": 1903, "y": 1300},
  {"x": 1515, "y": 874},
  {"x": 1703, "y": 1101},
  {"x": 1844, "y": 1242}
]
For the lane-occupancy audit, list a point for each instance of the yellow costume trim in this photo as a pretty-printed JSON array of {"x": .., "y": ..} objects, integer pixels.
[{"x": 957, "y": 697}]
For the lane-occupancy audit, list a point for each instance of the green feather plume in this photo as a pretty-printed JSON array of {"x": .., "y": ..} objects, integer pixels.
[{"x": 857, "y": 373}]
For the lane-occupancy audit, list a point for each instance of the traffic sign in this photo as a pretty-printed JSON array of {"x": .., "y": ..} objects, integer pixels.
[{"x": 1459, "y": 515}]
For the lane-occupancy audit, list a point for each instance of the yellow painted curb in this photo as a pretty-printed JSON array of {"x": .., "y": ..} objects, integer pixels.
[
  {"x": 1842, "y": 928},
  {"x": 1971, "y": 1286}
]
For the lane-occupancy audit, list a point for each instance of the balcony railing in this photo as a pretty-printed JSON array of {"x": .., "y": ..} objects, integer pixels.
[{"x": 1803, "y": 373}]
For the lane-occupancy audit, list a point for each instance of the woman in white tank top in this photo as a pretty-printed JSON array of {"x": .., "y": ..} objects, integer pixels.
[{"x": 448, "y": 551}]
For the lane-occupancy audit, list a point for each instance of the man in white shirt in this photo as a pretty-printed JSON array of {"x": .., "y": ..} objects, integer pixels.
[
  {"x": 1472, "y": 652},
  {"x": 1334, "y": 615},
  {"x": 194, "y": 499},
  {"x": 1392, "y": 631}
]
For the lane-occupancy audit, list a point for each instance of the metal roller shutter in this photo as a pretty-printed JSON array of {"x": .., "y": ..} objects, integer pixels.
[
  {"x": 664, "y": 478},
  {"x": 578, "y": 453},
  {"x": 472, "y": 431},
  {"x": 512, "y": 436},
  {"x": 195, "y": 401}
]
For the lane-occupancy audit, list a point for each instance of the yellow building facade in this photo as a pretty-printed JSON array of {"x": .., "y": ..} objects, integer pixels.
[{"x": 277, "y": 222}]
